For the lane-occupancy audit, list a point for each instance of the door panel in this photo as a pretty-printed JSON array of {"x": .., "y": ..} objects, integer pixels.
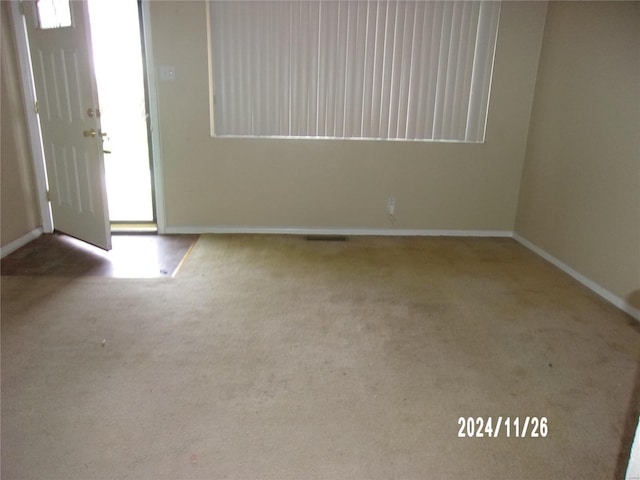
[{"x": 69, "y": 120}]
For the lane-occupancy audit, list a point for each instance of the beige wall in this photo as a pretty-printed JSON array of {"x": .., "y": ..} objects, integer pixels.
[
  {"x": 211, "y": 182},
  {"x": 19, "y": 209},
  {"x": 580, "y": 190}
]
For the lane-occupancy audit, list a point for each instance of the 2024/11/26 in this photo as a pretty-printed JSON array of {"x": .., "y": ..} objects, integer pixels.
[{"x": 479, "y": 427}]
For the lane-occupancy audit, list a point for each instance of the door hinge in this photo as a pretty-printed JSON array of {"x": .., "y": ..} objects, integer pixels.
[
  {"x": 48, "y": 195},
  {"x": 36, "y": 107},
  {"x": 21, "y": 7}
]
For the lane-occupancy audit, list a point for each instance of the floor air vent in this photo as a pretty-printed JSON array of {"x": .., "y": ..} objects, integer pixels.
[{"x": 326, "y": 238}]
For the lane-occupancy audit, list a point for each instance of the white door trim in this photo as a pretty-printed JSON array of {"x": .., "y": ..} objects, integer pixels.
[
  {"x": 33, "y": 123},
  {"x": 154, "y": 120}
]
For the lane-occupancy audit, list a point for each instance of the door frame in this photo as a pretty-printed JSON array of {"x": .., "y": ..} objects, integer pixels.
[
  {"x": 33, "y": 121},
  {"x": 155, "y": 145}
]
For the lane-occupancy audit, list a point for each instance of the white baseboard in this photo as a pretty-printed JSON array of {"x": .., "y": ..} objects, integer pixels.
[
  {"x": 20, "y": 242},
  {"x": 388, "y": 232},
  {"x": 603, "y": 292}
]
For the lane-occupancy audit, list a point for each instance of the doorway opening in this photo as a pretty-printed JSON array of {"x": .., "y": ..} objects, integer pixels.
[{"x": 119, "y": 68}]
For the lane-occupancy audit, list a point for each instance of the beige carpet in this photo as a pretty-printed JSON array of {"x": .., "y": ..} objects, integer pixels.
[{"x": 272, "y": 357}]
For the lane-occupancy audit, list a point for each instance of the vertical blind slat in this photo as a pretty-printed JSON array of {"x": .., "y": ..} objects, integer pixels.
[
  {"x": 294, "y": 104},
  {"x": 357, "y": 85},
  {"x": 219, "y": 52},
  {"x": 338, "y": 117},
  {"x": 387, "y": 69},
  {"x": 375, "y": 69},
  {"x": 414, "y": 74},
  {"x": 376, "y": 92},
  {"x": 464, "y": 89},
  {"x": 395, "y": 39},
  {"x": 459, "y": 95},
  {"x": 433, "y": 58},
  {"x": 331, "y": 9},
  {"x": 405, "y": 74},
  {"x": 442, "y": 68},
  {"x": 319, "y": 67},
  {"x": 482, "y": 68},
  {"x": 453, "y": 71},
  {"x": 347, "y": 46},
  {"x": 303, "y": 70}
]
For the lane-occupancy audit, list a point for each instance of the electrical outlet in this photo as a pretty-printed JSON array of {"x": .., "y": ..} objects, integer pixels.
[{"x": 391, "y": 205}]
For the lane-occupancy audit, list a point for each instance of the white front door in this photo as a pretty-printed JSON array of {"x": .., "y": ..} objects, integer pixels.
[{"x": 59, "y": 41}]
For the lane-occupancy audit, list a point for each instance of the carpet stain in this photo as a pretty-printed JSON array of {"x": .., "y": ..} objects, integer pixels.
[{"x": 285, "y": 359}]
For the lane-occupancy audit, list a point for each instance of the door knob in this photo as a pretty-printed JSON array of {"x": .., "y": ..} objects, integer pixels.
[{"x": 93, "y": 133}]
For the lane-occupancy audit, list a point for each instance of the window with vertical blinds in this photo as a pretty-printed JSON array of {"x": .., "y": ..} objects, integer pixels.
[{"x": 413, "y": 70}]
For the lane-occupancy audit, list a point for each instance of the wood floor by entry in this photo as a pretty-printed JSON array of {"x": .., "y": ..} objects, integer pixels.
[{"x": 132, "y": 256}]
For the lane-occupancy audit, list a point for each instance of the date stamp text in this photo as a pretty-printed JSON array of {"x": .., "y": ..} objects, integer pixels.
[{"x": 510, "y": 427}]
